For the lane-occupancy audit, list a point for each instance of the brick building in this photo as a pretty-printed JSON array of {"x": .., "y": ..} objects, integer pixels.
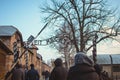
[
  {"x": 13, "y": 50},
  {"x": 11, "y": 38},
  {"x": 5, "y": 56}
]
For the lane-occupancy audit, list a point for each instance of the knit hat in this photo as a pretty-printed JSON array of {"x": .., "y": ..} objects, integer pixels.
[{"x": 82, "y": 58}]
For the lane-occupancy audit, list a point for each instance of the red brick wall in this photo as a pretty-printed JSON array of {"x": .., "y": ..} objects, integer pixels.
[{"x": 2, "y": 62}]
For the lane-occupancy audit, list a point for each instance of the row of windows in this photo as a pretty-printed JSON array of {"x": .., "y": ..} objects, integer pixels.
[{"x": 116, "y": 68}]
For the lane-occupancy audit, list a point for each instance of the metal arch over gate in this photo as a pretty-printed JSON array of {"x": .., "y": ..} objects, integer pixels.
[{"x": 60, "y": 38}]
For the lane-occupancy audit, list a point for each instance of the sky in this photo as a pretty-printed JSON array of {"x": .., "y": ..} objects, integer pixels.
[{"x": 25, "y": 15}]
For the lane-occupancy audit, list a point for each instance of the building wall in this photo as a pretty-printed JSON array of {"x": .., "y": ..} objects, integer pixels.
[
  {"x": 107, "y": 69},
  {"x": 110, "y": 70},
  {"x": 2, "y": 64},
  {"x": 30, "y": 59},
  {"x": 116, "y": 75},
  {"x": 6, "y": 41},
  {"x": 45, "y": 67},
  {"x": 39, "y": 66},
  {"x": 7, "y": 61},
  {"x": 2, "y": 61}
]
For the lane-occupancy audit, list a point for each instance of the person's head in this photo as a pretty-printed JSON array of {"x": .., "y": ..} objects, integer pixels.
[
  {"x": 46, "y": 71},
  {"x": 19, "y": 65},
  {"x": 32, "y": 65},
  {"x": 82, "y": 58},
  {"x": 58, "y": 62}
]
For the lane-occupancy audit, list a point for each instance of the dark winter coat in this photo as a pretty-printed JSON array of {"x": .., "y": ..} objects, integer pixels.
[
  {"x": 82, "y": 72},
  {"x": 33, "y": 74},
  {"x": 58, "y": 73},
  {"x": 18, "y": 74}
]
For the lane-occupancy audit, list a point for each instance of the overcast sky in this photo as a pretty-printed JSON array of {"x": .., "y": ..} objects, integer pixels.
[{"x": 25, "y": 15}]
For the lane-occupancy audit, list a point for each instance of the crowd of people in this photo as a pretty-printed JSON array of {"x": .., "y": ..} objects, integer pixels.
[
  {"x": 21, "y": 74},
  {"x": 83, "y": 69}
]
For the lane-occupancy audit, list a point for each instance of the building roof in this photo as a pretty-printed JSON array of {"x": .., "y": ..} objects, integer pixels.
[
  {"x": 108, "y": 59},
  {"x": 103, "y": 59},
  {"x": 39, "y": 56},
  {"x": 116, "y": 58},
  {"x": 7, "y": 30}
]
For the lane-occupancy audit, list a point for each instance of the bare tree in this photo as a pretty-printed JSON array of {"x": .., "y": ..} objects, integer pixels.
[
  {"x": 64, "y": 45},
  {"x": 85, "y": 19}
]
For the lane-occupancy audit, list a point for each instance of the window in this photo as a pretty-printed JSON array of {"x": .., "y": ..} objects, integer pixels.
[{"x": 116, "y": 68}]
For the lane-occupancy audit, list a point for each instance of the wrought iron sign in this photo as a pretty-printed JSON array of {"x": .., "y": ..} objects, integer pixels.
[
  {"x": 60, "y": 38},
  {"x": 46, "y": 41}
]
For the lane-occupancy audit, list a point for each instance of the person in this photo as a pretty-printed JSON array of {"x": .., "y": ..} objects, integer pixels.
[
  {"x": 25, "y": 69},
  {"x": 32, "y": 74},
  {"x": 18, "y": 73},
  {"x": 58, "y": 72},
  {"x": 46, "y": 74},
  {"x": 103, "y": 75},
  {"x": 83, "y": 69}
]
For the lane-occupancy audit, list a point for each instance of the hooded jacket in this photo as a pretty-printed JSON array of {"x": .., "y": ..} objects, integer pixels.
[
  {"x": 83, "y": 68},
  {"x": 59, "y": 72},
  {"x": 82, "y": 72}
]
